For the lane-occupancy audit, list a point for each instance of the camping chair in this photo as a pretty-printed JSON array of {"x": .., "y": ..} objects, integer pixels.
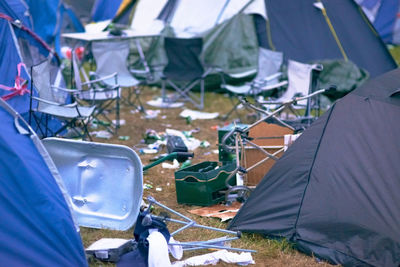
[
  {"x": 102, "y": 95},
  {"x": 302, "y": 81},
  {"x": 238, "y": 140},
  {"x": 91, "y": 185},
  {"x": 267, "y": 79},
  {"x": 112, "y": 57},
  {"x": 184, "y": 70},
  {"x": 51, "y": 101}
]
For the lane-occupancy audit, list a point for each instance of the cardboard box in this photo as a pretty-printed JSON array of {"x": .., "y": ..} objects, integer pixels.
[{"x": 264, "y": 134}]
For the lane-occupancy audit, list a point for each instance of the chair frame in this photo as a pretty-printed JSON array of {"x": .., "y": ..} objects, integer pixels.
[{"x": 68, "y": 121}]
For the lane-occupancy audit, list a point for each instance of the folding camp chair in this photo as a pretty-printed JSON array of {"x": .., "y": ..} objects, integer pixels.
[
  {"x": 97, "y": 92},
  {"x": 51, "y": 101},
  {"x": 184, "y": 70},
  {"x": 267, "y": 79},
  {"x": 238, "y": 140},
  {"x": 302, "y": 81},
  {"x": 110, "y": 57},
  {"x": 91, "y": 185}
]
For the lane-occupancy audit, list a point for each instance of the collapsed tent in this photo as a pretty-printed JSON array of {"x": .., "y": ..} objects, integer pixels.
[
  {"x": 37, "y": 228},
  {"x": 384, "y": 15},
  {"x": 334, "y": 193},
  {"x": 305, "y": 31},
  {"x": 312, "y": 30}
]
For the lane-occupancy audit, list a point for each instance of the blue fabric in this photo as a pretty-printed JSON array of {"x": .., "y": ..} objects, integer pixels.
[
  {"x": 36, "y": 228},
  {"x": 105, "y": 9},
  {"x": 77, "y": 25},
  {"x": 386, "y": 18},
  {"x": 44, "y": 25},
  {"x": 8, "y": 68},
  {"x": 17, "y": 10}
]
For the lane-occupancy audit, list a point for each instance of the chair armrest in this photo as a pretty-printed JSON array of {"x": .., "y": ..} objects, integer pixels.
[
  {"x": 66, "y": 90},
  {"x": 268, "y": 78},
  {"x": 101, "y": 79},
  {"x": 71, "y": 105}
]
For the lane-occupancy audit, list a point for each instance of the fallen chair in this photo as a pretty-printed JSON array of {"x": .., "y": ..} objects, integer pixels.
[
  {"x": 91, "y": 184},
  {"x": 237, "y": 141}
]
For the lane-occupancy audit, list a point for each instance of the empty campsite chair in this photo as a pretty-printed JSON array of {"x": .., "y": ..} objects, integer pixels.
[
  {"x": 184, "y": 70},
  {"x": 111, "y": 57},
  {"x": 302, "y": 81},
  {"x": 105, "y": 96},
  {"x": 267, "y": 79},
  {"x": 51, "y": 101}
]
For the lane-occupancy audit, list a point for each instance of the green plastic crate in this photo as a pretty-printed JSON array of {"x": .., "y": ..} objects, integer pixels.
[{"x": 201, "y": 184}]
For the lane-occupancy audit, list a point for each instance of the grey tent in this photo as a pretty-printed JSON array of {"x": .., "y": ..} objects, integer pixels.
[{"x": 335, "y": 191}]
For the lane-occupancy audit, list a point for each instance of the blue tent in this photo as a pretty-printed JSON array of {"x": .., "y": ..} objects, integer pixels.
[
  {"x": 105, "y": 9},
  {"x": 20, "y": 44},
  {"x": 37, "y": 228},
  {"x": 384, "y": 16},
  {"x": 11, "y": 51},
  {"x": 58, "y": 17}
]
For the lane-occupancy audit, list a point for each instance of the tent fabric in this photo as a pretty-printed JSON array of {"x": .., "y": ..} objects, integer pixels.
[
  {"x": 301, "y": 32},
  {"x": 59, "y": 18},
  {"x": 37, "y": 229},
  {"x": 334, "y": 191},
  {"x": 383, "y": 15},
  {"x": 105, "y": 9},
  {"x": 12, "y": 53}
]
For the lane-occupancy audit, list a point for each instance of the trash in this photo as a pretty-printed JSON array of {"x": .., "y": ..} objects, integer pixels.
[
  {"x": 148, "y": 151},
  {"x": 102, "y": 134},
  {"x": 194, "y": 115},
  {"x": 222, "y": 212},
  {"x": 214, "y": 127},
  {"x": 109, "y": 249},
  {"x": 121, "y": 122},
  {"x": 151, "y": 136},
  {"x": 160, "y": 104},
  {"x": 213, "y": 258},
  {"x": 159, "y": 189},
  {"x": 215, "y": 151},
  {"x": 101, "y": 122},
  {"x": 185, "y": 164},
  {"x": 204, "y": 144},
  {"x": 124, "y": 137},
  {"x": 191, "y": 143},
  {"x": 147, "y": 186},
  {"x": 152, "y": 114},
  {"x": 188, "y": 120},
  {"x": 174, "y": 165}
]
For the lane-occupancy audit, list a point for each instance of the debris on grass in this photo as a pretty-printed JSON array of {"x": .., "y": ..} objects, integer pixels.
[
  {"x": 174, "y": 165},
  {"x": 195, "y": 115}
]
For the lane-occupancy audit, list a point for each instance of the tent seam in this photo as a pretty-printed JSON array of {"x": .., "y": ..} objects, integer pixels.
[{"x": 311, "y": 169}]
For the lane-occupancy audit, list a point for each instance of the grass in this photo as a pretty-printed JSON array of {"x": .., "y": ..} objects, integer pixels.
[{"x": 269, "y": 252}]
